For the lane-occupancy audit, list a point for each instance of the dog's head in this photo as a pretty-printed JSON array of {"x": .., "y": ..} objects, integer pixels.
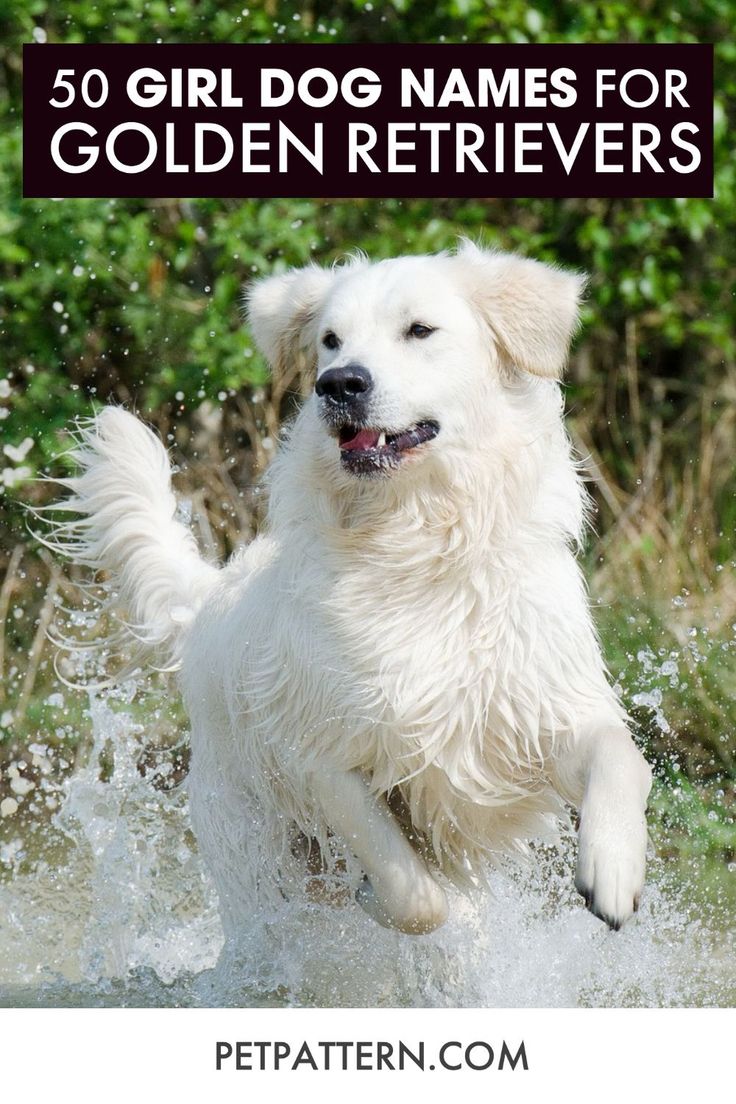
[{"x": 414, "y": 355}]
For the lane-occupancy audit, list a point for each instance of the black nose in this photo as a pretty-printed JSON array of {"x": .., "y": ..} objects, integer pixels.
[{"x": 344, "y": 385}]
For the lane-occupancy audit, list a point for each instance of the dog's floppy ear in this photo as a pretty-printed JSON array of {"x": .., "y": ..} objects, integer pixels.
[
  {"x": 532, "y": 308},
  {"x": 280, "y": 310}
]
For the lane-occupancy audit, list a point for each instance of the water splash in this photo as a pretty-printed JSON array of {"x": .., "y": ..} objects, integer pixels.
[
  {"x": 128, "y": 894},
  {"x": 117, "y": 910}
]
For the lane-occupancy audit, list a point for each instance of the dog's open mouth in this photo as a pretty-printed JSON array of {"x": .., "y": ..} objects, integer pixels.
[{"x": 369, "y": 451}]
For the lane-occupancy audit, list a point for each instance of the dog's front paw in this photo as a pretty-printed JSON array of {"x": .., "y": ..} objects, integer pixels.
[
  {"x": 610, "y": 870},
  {"x": 417, "y": 913}
]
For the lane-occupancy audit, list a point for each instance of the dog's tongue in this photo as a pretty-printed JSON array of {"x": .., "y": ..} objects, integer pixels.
[{"x": 363, "y": 439}]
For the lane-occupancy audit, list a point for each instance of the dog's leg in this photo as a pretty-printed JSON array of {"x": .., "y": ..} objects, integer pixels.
[
  {"x": 606, "y": 777},
  {"x": 400, "y": 892}
]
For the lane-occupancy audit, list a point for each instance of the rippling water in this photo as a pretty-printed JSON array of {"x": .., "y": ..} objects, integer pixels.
[{"x": 117, "y": 910}]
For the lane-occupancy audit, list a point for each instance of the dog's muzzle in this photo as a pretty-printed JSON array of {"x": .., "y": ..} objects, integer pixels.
[{"x": 345, "y": 396}]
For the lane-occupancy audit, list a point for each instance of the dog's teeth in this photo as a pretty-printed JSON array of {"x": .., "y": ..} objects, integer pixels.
[{"x": 381, "y": 440}]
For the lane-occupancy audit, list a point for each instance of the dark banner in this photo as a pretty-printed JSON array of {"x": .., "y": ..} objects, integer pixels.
[{"x": 364, "y": 121}]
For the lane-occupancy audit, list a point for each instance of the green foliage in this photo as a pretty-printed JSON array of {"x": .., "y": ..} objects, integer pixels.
[{"x": 139, "y": 301}]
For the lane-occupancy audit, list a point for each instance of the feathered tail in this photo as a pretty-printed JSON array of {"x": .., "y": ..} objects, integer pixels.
[{"x": 125, "y": 525}]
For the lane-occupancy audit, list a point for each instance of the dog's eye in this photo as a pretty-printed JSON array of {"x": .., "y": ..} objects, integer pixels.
[
  {"x": 331, "y": 340},
  {"x": 418, "y": 329}
]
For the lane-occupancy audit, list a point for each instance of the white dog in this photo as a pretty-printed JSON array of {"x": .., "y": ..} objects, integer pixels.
[{"x": 403, "y": 667}]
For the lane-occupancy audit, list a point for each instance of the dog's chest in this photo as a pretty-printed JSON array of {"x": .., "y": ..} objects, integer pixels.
[{"x": 438, "y": 657}]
